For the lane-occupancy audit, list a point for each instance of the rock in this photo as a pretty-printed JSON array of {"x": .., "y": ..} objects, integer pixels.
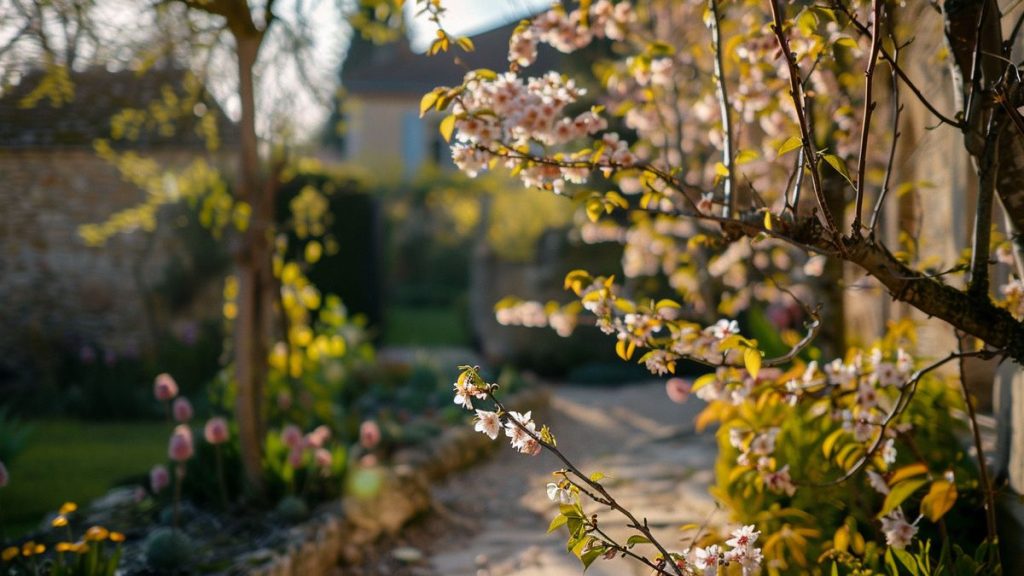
[{"x": 407, "y": 554}]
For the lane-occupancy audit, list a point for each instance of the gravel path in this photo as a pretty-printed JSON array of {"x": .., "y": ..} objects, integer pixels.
[{"x": 491, "y": 520}]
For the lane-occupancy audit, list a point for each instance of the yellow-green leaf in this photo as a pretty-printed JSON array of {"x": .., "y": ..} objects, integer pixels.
[
  {"x": 447, "y": 127},
  {"x": 428, "y": 101},
  {"x": 721, "y": 169},
  {"x": 556, "y": 522},
  {"x": 838, "y": 165},
  {"x": 466, "y": 44},
  {"x": 908, "y": 471},
  {"x": 939, "y": 500},
  {"x": 752, "y": 361},
  {"x": 899, "y": 493},
  {"x": 791, "y": 143},
  {"x": 767, "y": 220},
  {"x": 746, "y": 156}
]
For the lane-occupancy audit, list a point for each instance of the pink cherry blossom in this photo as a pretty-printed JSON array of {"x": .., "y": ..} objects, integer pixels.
[
  {"x": 182, "y": 409},
  {"x": 216, "y": 430},
  {"x": 488, "y": 423},
  {"x": 5, "y": 477},
  {"x": 164, "y": 387},
  {"x": 898, "y": 532},
  {"x": 677, "y": 389}
]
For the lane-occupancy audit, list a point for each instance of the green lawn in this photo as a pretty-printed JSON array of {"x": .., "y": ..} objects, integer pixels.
[
  {"x": 76, "y": 461},
  {"x": 435, "y": 326}
]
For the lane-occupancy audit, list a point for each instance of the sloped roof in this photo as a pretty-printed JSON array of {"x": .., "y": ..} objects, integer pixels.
[
  {"x": 395, "y": 69},
  {"x": 98, "y": 96}
]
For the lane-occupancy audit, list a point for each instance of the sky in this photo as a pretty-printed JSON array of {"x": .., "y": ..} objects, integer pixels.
[{"x": 467, "y": 17}]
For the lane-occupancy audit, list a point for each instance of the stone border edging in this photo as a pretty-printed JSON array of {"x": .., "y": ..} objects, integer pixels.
[{"x": 340, "y": 531}]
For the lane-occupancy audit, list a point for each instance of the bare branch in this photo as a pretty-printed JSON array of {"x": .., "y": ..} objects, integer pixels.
[
  {"x": 725, "y": 108},
  {"x": 869, "y": 107}
]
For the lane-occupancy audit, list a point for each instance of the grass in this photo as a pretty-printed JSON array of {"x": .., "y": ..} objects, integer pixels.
[
  {"x": 67, "y": 460},
  {"x": 435, "y": 326}
]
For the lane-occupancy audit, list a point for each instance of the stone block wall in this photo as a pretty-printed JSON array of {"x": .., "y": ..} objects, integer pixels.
[{"x": 55, "y": 290}]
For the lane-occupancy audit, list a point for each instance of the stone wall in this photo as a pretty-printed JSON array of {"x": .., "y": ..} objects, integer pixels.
[{"x": 55, "y": 291}]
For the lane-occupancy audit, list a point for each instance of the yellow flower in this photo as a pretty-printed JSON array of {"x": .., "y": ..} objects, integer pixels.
[
  {"x": 80, "y": 548},
  {"x": 59, "y": 522},
  {"x": 9, "y": 553},
  {"x": 39, "y": 549},
  {"x": 65, "y": 547},
  {"x": 27, "y": 548},
  {"x": 97, "y": 534},
  {"x": 68, "y": 508},
  {"x": 116, "y": 537}
]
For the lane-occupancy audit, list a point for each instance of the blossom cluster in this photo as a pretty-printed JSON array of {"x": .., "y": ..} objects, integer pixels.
[
  {"x": 741, "y": 552},
  {"x": 570, "y": 31},
  {"x": 520, "y": 428}
]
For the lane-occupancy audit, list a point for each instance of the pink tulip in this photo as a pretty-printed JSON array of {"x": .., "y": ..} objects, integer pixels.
[
  {"x": 159, "y": 478},
  {"x": 180, "y": 447},
  {"x": 323, "y": 458},
  {"x": 165, "y": 388},
  {"x": 291, "y": 436},
  {"x": 678, "y": 390},
  {"x": 182, "y": 409},
  {"x": 216, "y": 430},
  {"x": 318, "y": 437},
  {"x": 369, "y": 434},
  {"x": 5, "y": 478}
]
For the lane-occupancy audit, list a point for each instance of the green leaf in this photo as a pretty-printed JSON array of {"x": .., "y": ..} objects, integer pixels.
[
  {"x": 907, "y": 560},
  {"x": 791, "y": 143},
  {"x": 636, "y": 539},
  {"x": 837, "y": 163},
  {"x": 900, "y": 492},
  {"x": 589, "y": 556},
  {"x": 556, "y": 523},
  {"x": 447, "y": 127},
  {"x": 939, "y": 500}
]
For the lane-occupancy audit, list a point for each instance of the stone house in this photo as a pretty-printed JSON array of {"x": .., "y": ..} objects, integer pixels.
[{"x": 59, "y": 295}]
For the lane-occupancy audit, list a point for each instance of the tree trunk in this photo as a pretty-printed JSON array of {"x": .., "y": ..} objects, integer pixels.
[{"x": 253, "y": 260}]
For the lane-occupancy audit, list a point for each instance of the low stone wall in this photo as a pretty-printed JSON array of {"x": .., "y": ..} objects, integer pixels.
[{"x": 340, "y": 533}]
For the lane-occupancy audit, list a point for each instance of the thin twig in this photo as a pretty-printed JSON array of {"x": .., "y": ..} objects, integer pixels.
[
  {"x": 863, "y": 30},
  {"x": 807, "y": 136},
  {"x": 986, "y": 484},
  {"x": 897, "y": 108},
  {"x": 907, "y": 392},
  {"x": 725, "y": 108},
  {"x": 869, "y": 107}
]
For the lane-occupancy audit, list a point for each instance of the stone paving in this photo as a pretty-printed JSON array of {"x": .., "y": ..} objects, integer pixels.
[{"x": 497, "y": 513}]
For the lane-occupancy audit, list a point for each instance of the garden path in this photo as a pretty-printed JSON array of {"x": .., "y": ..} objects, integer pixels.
[{"x": 493, "y": 517}]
